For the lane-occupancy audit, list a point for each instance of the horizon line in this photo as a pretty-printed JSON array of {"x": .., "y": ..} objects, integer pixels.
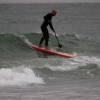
[{"x": 44, "y": 2}]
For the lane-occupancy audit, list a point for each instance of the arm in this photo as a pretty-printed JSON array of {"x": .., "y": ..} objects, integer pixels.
[{"x": 51, "y": 26}]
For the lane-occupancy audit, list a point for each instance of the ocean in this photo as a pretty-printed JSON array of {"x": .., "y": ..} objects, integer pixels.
[{"x": 24, "y": 75}]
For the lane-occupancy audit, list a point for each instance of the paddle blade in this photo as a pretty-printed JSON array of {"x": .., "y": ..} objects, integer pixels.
[{"x": 60, "y": 45}]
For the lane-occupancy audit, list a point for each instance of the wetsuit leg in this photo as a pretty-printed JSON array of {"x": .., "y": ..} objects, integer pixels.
[
  {"x": 45, "y": 37},
  {"x": 41, "y": 41}
]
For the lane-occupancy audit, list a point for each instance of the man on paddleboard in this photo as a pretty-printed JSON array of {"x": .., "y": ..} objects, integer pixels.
[{"x": 47, "y": 22}]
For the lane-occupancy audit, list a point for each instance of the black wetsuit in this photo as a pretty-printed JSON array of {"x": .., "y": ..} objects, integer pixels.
[{"x": 47, "y": 22}]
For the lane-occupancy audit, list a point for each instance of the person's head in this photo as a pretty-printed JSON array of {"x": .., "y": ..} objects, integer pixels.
[{"x": 54, "y": 12}]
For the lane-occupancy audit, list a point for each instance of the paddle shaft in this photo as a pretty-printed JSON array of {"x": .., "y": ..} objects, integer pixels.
[{"x": 58, "y": 40}]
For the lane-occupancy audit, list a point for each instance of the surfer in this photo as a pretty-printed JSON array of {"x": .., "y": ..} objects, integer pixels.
[{"x": 47, "y": 22}]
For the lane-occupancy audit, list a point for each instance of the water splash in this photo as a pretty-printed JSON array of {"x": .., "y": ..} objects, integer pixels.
[
  {"x": 18, "y": 76},
  {"x": 73, "y": 63}
]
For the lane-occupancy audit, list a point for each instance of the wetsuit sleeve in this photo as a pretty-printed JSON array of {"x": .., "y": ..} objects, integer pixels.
[{"x": 51, "y": 26}]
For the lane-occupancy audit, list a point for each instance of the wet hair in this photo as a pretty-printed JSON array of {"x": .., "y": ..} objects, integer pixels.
[{"x": 54, "y": 12}]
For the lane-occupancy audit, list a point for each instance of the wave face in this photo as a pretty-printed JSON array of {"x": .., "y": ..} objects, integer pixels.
[{"x": 14, "y": 46}]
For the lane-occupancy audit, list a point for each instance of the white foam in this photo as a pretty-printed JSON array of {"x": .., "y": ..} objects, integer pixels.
[
  {"x": 87, "y": 60},
  {"x": 74, "y": 63},
  {"x": 18, "y": 76},
  {"x": 65, "y": 66}
]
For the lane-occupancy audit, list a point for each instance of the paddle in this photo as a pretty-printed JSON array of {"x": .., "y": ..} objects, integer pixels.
[{"x": 59, "y": 44}]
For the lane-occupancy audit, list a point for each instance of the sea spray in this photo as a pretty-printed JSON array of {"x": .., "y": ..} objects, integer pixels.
[{"x": 18, "y": 76}]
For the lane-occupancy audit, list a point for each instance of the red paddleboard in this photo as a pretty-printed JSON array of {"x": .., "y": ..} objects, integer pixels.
[
  {"x": 52, "y": 52},
  {"x": 47, "y": 51}
]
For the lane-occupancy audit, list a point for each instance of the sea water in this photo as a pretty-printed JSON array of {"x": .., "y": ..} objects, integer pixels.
[{"x": 26, "y": 76}]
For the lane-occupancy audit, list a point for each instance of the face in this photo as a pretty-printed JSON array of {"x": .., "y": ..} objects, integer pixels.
[{"x": 54, "y": 13}]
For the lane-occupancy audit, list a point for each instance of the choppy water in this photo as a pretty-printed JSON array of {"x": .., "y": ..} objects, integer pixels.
[{"x": 26, "y": 76}]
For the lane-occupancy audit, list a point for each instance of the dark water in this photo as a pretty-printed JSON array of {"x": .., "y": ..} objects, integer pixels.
[
  {"x": 72, "y": 18},
  {"x": 26, "y": 76}
]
